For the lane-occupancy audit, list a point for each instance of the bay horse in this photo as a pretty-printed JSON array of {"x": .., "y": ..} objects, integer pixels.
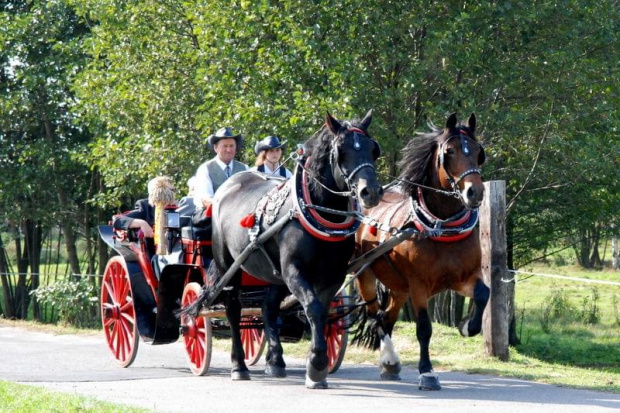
[
  {"x": 439, "y": 193},
  {"x": 308, "y": 256}
]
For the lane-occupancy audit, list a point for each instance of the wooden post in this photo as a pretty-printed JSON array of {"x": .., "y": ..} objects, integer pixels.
[{"x": 493, "y": 243}]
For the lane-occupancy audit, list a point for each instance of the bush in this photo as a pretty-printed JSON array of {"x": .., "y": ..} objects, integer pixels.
[
  {"x": 556, "y": 306},
  {"x": 590, "y": 309},
  {"x": 75, "y": 301}
]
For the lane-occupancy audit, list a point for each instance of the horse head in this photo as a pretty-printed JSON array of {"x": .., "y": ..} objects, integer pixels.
[
  {"x": 458, "y": 159},
  {"x": 352, "y": 157}
]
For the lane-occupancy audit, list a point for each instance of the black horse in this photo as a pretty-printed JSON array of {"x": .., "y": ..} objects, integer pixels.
[{"x": 308, "y": 254}]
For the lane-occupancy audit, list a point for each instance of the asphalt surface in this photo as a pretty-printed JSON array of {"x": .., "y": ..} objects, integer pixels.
[{"x": 160, "y": 380}]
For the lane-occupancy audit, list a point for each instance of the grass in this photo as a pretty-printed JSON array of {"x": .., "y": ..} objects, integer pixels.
[
  {"x": 570, "y": 322},
  {"x": 25, "y": 399}
]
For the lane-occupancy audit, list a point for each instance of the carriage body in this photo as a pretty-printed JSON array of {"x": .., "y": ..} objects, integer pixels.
[{"x": 142, "y": 293}]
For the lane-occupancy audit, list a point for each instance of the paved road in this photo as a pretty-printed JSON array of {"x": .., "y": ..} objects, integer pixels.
[{"x": 160, "y": 380}]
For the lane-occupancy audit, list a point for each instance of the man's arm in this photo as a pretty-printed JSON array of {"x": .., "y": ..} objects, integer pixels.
[
  {"x": 203, "y": 189},
  {"x": 135, "y": 219}
]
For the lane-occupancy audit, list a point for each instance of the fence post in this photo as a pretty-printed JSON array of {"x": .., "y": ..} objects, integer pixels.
[{"x": 493, "y": 244}]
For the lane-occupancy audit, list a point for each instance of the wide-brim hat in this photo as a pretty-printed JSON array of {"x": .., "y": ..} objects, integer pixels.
[
  {"x": 225, "y": 133},
  {"x": 270, "y": 142}
]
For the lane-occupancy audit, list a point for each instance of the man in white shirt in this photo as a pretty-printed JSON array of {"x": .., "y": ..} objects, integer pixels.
[{"x": 212, "y": 173}]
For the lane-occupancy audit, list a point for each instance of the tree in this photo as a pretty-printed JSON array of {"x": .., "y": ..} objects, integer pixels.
[{"x": 41, "y": 184}]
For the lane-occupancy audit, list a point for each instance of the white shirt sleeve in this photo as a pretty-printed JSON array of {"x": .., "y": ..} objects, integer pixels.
[{"x": 203, "y": 188}]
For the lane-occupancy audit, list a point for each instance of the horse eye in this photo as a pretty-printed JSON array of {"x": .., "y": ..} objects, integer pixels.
[{"x": 450, "y": 151}]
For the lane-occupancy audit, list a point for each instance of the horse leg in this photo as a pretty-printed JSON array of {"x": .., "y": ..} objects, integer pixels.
[
  {"x": 428, "y": 379},
  {"x": 239, "y": 370},
  {"x": 381, "y": 319},
  {"x": 275, "y": 365},
  {"x": 470, "y": 326},
  {"x": 389, "y": 362},
  {"x": 316, "y": 312}
]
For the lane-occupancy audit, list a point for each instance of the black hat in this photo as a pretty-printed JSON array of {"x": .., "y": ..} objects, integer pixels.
[
  {"x": 225, "y": 133},
  {"x": 270, "y": 142}
]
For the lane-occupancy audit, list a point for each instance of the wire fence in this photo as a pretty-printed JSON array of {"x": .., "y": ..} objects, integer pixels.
[{"x": 561, "y": 277}]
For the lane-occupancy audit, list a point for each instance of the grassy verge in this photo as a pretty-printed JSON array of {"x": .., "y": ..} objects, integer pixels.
[{"x": 24, "y": 399}]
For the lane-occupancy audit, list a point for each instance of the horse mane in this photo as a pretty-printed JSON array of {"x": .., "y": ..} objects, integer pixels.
[
  {"x": 417, "y": 158},
  {"x": 418, "y": 155},
  {"x": 319, "y": 148}
]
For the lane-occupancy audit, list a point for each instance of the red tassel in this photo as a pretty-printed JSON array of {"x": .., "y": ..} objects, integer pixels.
[
  {"x": 372, "y": 230},
  {"x": 208, "y": 211},
  {"x": 247, "y": 221}
]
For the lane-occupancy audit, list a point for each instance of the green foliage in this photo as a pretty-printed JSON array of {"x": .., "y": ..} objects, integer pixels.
[
  {"x": 556, "y": 306},
  {"x": 590, "y": 312},
  {"x": 76, "y": 301},
  {"x": 162, "y": 75}
]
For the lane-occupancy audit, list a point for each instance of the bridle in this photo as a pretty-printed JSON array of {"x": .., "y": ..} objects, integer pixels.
[
  {"x": 342, "y": 178},
  {"x": 463, "y": 135}
]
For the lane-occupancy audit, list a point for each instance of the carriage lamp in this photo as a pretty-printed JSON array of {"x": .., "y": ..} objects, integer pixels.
[{"x": 173, "y": 219}]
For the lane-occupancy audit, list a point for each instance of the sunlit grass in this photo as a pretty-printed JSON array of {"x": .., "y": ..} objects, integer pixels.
[{"x": 25, "y": 399}]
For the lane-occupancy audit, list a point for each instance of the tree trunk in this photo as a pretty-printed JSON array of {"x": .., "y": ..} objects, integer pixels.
[
  {"x": 34, "y": 242},
  {"x": 21, "y": 293},
  {"x": 8, "y": 302},
  {"x": 67, "y": 228},
  {"x": 582, "y": 250},
  {"x": 595, "y": 258},
  {"x": 513, "y": 338},
  {"x": 102, "y": 247},
  {"x": 615, "y": 260},
  {"x": 66, "y": 220}
]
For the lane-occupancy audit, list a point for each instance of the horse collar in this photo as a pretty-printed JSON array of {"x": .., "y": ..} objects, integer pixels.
[
  {"x": 455, "y": 228},
  {"x": 311, "y": 221}
]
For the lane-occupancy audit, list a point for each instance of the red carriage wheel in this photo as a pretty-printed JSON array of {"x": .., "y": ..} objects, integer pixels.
[
  {"x": 197, "y": 333},
  {"x": 336, "y": 336},
  {"x": 118, "y": 314},
  {"x": 253, "y": 340}
]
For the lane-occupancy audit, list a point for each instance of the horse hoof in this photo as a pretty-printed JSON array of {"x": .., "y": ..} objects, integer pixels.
[
  {"x": 390, "y": 372},
  {"x": 429, "y": 381},
  {"x": 464, "y": 327},
  {"x": 275, "y": 371},
  {"x": 238, "y": 375},
  {"x": 315, "y": 384}
]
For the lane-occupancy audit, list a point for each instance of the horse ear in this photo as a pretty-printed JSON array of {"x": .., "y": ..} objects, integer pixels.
[
  {"x": 367, "y": 120},
  {"x": 332, "y": 123},
  {"x": 471, "y": 123},
  {"x": 451, "y": 122}
]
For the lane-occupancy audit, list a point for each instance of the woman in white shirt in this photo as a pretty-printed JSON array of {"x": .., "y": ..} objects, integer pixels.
[{"x": 269, "y": 153}]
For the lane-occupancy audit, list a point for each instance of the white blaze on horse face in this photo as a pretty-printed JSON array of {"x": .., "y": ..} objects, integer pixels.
[
  {"x": 388, "y": 354},
  {"x": 470, "y": 196}
]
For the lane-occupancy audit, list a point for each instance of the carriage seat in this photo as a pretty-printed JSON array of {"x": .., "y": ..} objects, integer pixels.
[{"x": 196, "y": 233}]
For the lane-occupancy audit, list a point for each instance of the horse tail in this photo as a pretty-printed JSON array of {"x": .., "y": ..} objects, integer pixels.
[
  {"x": 213, "y": 274},
  {"x": 368, "y": 329}
]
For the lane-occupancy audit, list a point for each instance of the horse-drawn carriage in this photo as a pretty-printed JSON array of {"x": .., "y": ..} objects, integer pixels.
[
  {"x": 304, "y": 245},
  {"x": 141, "y": 295}
]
